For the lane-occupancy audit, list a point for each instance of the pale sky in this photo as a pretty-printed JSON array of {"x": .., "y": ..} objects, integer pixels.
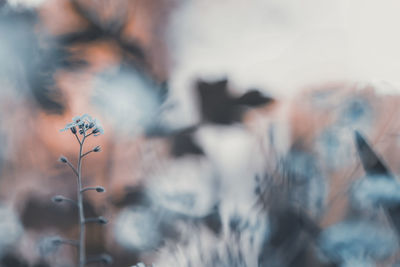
[{"x": 284, "y": 45}]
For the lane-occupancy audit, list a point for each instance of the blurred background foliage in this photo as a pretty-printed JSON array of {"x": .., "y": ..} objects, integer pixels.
[{"x": 201, "y": 170}]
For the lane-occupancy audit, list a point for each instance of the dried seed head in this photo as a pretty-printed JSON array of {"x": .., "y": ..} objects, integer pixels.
[
  {"x": 63, "y": 159},
  {"x": 73, "y": 130},
  {"x": 97, "y": 149},
  {"x": 100, "y": 189}
]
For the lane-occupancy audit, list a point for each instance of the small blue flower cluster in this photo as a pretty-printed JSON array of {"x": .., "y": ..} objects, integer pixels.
[{"x": 84, "y": 123}]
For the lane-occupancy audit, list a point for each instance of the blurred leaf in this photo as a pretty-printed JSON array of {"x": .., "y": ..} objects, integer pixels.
[
  {"x": 218, "y": 106},
  {"x": 183, "y": 143},
  {"x": 375, "y": 168},
  {"x": 371, "y": 162},
  {"x": 253, "y": 98}
]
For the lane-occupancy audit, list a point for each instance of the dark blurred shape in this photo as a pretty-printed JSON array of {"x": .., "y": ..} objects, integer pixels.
[
  {"x": 99, "y": 220},
  {"x": 98, "y": 30},
  {"x": 218, "y": 106},
  {"x": 292, "y": 233},
  {"x": 372, "y": 164},
  {"x": 13, "y": 260},
  {"x": 41, "y": 214},
  {"x": 102, "y": 258},
  {"x": 288, "y": 223},
  {"x": 100, "y": 189},
  {"x": 376, "y": 169},
  {"x": 134, "y": 196},
  {"x": 213, "y": 221},
  {"x": 183, "y": 143},
  {"x": 253, "y": 98}
]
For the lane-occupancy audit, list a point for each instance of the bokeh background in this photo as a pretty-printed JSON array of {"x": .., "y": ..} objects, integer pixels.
[{"x": 229, "y": 131}]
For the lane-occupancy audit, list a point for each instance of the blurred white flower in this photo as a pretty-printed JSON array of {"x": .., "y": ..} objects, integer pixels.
[
  {"x": 27, "y": 3},
  {"x": 126, "y": 99},
  {"x": 357, "y": 241},
  {"x": 49, "y": 245},
  {"x": 137, "y": 229},
  {"x": 185, "y": 186},
  {"x": 141, "y": 264},
  {"x": 374, "y": 191},
  {"x": 11, "y": 228}
]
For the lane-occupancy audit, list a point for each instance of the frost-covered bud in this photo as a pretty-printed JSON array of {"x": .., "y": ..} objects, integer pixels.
[
  {"x": 91, "y": 125},
  {"x": 102, "y": 220},
  {"x": 103, "y": 258},
  {"x": 56, "y": 241},
  {"x": 63, "y": 159},
  {"x": 57, "y": 199},
  {"x": 106, "y": 259},
  {"x": 73, "y": 130},
  {"x": 98, "y": 130},
  {"x": 97, "y": 149},
  {"x": 99, "y": 220},
  {"x": 81, "y": 131},
  {"x": 100, "y": 189}
]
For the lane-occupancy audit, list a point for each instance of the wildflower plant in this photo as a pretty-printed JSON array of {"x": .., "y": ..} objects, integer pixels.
[{"x": 82, "y": 127}]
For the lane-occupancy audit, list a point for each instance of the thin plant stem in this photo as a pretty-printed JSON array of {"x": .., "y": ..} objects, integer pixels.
[
  {"x": 73, "y": 168},
  {"x": 69, "y": 242},
  {"x": 77, "y": 138},
  {"x": 83, "y": 123},
  {"x": 82, "y": 253},
  {"x": 90, "y": 151}
]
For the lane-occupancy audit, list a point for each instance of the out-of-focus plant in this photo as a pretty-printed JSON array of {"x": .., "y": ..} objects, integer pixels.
[
  {"x": 141, "y": 264},
  {"x": 82, "y": 127}
]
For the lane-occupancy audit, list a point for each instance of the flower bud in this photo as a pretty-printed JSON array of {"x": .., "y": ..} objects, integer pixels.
[
  {"x": 106, "y": 259},
  {"x": 63, "y": 159},
  {"x": 81, "y": 131},
  {"x": 57, "y": 199},
  {"x": 102, "y": 220},
  {"x": 73, "y": 130},
  {"x": 100, "y": 189},
  {"x": 97, "y": 149},
  {"x": 56, "y": 241},
  {"x": 99, "y": 220},
  {"x": 96, "y": 130}
]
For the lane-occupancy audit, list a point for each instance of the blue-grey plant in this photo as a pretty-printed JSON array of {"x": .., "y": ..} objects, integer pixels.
[
  {"x": 82, "y": 127},
  {"x": 141, "y": 264}
]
